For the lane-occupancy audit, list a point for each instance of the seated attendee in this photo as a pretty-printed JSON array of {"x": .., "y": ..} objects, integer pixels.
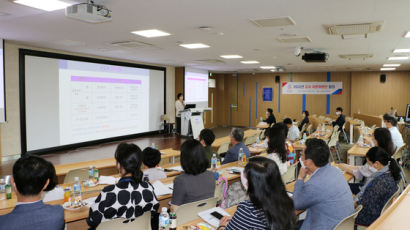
[
  {"x": 269, "y": 206},
  {"x": 381, "y": 138},
  {"x": 31, "y": 176},
  {"x": 277, "y": 148},
  {"x": 293, "y": 131},
  {"x": 151, "y": 158},
  {"x": 237, "y": 144},
  {"x": 114, "y": 200},
  {"x": 290, "y": 150},
  {"x": 270, "y": 118},
  {"x": 305, "y": 120},
  {"x": 207, "y": 137},
  {"x": 196, "y": 183},
  {"x": 340, "y": 121},
  {"x": 326, "y": 195},
  {"x": 379, "y": 188},
  {"x": 391, "y": 123}
]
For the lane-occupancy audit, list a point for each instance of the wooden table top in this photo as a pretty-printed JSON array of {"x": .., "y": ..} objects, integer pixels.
[
  {"x": 219, "y": 141},
  {"x": 325, "y": 136},
  {"x": 186, "y": 226},
  {"x": 262, "y": 125},
  {"x": 356, "y": 150},
  {"x": 396, "y": 216},
  {"x": 298, "y": 146},
  {"x": 63, "y": 169}
]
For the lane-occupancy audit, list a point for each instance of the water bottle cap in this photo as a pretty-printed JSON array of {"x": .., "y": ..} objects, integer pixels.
[
  {"x": 76, "y": 178},
  {"x": 214, "y": 155},
  {"x": 164, "y": 209}
]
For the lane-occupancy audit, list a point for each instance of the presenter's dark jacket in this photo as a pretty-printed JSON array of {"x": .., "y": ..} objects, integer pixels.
[
  {"x": 340, "y": 121},
  {"x": 304, "y": 121},
  {"x": 34, "y": 216},
  {"x": 271, "y": 120}
]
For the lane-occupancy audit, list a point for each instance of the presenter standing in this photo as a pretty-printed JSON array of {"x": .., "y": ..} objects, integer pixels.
[{"x": 179, "y": 106}]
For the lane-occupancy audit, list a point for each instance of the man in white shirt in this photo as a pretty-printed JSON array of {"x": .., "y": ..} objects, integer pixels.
[
  {"x": 391, "y": 123},
  {"x": 293, "y": 131}
]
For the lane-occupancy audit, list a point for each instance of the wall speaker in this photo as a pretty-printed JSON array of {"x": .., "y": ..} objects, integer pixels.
[
  {"x": 277, "y": 79},
  {"x": 382, "y": 78}
]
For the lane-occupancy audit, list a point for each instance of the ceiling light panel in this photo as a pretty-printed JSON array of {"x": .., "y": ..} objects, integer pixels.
[
  {"x": 391, "y": 65},
  {"x": 151, "y": 33},
  {"x": 195, "y": 46},
  {"x": 398, "y": 58},
  {"x": 231, "y": 56},
  {"x": 401, "y": 51},
  {"x": 407, "y": 35},
  {"x": 268, "y": 67},
  {"x": 249, "y": 62},
  {"x": 387, "y": 69},
  {"x": 47, "y": 5}
]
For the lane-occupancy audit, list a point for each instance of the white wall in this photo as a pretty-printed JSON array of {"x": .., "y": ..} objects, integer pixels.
[{"x": 10, "y": 131}]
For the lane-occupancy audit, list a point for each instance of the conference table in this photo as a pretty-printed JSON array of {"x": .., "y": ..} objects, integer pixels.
[
  {"x": 227, "y": 139},
  {"x": 107, "y": 166},
  {"x": 396, "y": 216},
  {"x": 356, "y": 151},
  {"x": 262, "y": 125}
]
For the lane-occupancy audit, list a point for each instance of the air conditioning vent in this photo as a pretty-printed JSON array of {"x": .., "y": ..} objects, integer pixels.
[
  {"x": 274, "y": 22},
  {"x": 131, "y": 44},
  {"x": 347, "y": 30},
  {"x": 355, "y": 56},
  {"x": 294, "y": 39}
]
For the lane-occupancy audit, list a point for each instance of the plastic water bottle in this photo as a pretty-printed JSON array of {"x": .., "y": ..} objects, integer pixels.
[
  {"x": 96, "y": 175},
  {"x": 90, "y": 173},
  {"x": 2, "y": 189},
  {"x": 261, "y": 119},
  {"x": 241, "y": 157},
  {"x": 257, "y": 139},
  {"x": 214, "y": 162},
  {"x": 153, "y": 146},
  {"x": 77, "y": 190},
  {"x": 164, "y": 219},
  {"x": 361, "y": 139},
  {"x": 173, "y": 221},
  {"x": 8, "y": 191}
]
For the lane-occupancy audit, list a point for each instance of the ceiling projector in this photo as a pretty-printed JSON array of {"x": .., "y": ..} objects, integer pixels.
[
  {"x": 315, "y": 57},
  {"x": 89, "y": 12}
]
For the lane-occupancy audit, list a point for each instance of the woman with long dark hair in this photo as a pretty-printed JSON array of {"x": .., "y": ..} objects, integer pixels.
[
  {"x": 269, "y": 206},
  {"x": 381, "y": 138},
  {"x": 131, "y": 196},
  {"x": 277, "y": 147},
  {"x": 379, "y": 187}
]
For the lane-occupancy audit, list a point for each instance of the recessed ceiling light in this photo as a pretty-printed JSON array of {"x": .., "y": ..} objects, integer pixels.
[
  {"x": 249, "y": 62},
  {"x": 47, "y": 5},
  {"x": 398, "y": 58},
  {"x": 273, "y": 70},
  {"x": 231, "y": 56},
  {"x": 194, "y": 46},
  {"x": 387, "y": 69},
  {"x": 391, "y": 65},
  {"x": 407, "y": 35},
  {"x": 268, "y": 67},
  {"x": 401, "y": 51},
  {"x": 151, "y": 33}
]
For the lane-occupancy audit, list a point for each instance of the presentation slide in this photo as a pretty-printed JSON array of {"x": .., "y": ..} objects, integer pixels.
[
  {"x": 2, "y": 93},
  {"x": 69, "y": 102},
  {"x": 196, "y": 87}
]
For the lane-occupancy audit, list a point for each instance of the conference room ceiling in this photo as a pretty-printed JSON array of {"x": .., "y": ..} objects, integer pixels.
[{"x": 230, "y": 32}]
